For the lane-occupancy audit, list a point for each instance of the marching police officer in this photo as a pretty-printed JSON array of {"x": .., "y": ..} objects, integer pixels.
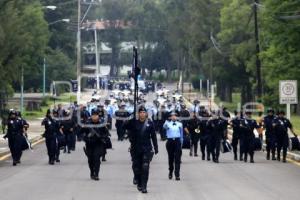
[
  {"x": 95, "y": 137},
  {"x": 218, "y": 128},
  {"x": 235, "y": 123},
  {"x": 247, "y": 136},
  {"x": 143, "y": 139},
  {"x": 270, "y": 134},
  {"x": 68, "y": 130},
  {"x": 174, "y": 144},
  {"x": 193, "y": 127},
  {"x": 281, "y": 126},
  {"x": 204, "y": 135},
  {"x": 162, "y": 117},
  {"x": 52, "y": 127},
  {"x": 121, "y": 116},
  {"x": 14, "y": 135}
]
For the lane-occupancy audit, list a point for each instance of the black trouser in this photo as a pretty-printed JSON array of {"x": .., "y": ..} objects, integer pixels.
[
  {"x": 234, "y": 143},
  {"x": 204, "y": 141},
  {"x": 109, "y": 121},
  {"x": 282, "y": 144},
  {"x": 215, "y": 146},
  {"x": 247, "y": 144},
  {"x": 271, "y": 144},
  {"x": 161, "y": 130},
  {"x": 140, "y": 165},
  {"x": 15, "y": 146},
  {"x": 52, "y": 148},
  {"x": 194, "y": 142},
  {"x": 174, "y": 153},
  {"x": 120, "y": 132},
  {"x": 73, "y": 141},
  {"x": 94, "y": 151},
  {"x": 70, "y": 141}
]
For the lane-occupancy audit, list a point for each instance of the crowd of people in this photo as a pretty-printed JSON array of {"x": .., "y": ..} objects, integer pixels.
[{"x": 181, "y": 126}]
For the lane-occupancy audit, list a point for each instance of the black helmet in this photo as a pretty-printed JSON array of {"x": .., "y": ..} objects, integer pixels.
[
  {"x": 270, "y": 110},
  {"x": 12, "y": 112}
]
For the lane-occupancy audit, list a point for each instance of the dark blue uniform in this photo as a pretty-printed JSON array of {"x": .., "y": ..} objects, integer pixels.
[
  {"x": 270, "y": 136},
  {"x": 247, "y": 138},
  {"x": 52, "y": 127},
  {"x": 217, "y": 127},
  {"x": 281, "y": 126},
  {"x": 68, "y": 130},
  {"x": 123, "y": 115},
  {"x": 95, "y": 140},
  {"x": 143, "y": 139},
  {"x": 204, "y": 137},
  {"x": 236, "y": 137},
  {"x": 192, "y": 125},
  {"x": 14, "y": 135}
]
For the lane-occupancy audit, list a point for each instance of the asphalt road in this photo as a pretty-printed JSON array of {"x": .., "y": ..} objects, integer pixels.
[{"x": 34, "y": 179}]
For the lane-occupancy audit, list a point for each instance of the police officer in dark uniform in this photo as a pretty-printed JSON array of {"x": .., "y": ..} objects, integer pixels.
[
  {"x": 122, "y": 114},
  {"x": 247, "y": 136},
  {"x": 95, "y": 137},
  {"x": 204, "y": 135},
  {"x": 52, "y": 127},
  {"x": 270, "y": 134},
  {"x": 281, "y": 126},
  {"x": 194, "y": 131},
  {"x": 174, "y": 144},
  {"x": 162, "y": 117},
  {"x": 217, "y": 128},
  {"x": 143, "y": 139},
  {"x": 235, "y": 124},
  {"x": 14, "y": 135},
  {"x": 68, "y": 130}
]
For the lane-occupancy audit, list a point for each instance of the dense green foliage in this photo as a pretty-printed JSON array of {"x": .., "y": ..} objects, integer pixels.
[{"x": 202, "y": 38}]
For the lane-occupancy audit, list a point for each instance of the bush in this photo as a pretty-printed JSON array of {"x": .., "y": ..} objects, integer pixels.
[
  {"x": 196, "y": 82},
  {"x": 45, "y": 101}
]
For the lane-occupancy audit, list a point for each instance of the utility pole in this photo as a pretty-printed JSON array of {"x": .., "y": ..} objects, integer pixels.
[
  {"x": 79, "y": 52},
  {"x": 97, "y": 58},
  {"x": 258, "y": 62},
  {"x": 22, "y": 90},
  {"x": 44, "y": 77}
]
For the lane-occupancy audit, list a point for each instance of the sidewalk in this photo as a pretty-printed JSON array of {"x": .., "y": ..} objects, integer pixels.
[{"x": 34, "y": 134}]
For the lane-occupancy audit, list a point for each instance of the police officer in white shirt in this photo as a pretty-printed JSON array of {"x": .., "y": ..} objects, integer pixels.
[{"x": 174, "y": 143}]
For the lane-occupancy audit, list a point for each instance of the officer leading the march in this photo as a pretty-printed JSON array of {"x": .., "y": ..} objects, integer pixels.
[
  {"x": 95, "y": 137},
  {"x": 143, "y": 139},
  {"x": 14, "y": 135},
  {"x": 174, "y": 145}
]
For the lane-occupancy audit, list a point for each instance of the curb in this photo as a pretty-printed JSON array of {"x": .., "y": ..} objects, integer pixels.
[{"x": 34, "y": 141}]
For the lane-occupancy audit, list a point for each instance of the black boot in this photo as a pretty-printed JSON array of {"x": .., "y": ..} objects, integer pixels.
[
  {"x": 268, "y": 155},
  {"x": 135, "y": 182}
]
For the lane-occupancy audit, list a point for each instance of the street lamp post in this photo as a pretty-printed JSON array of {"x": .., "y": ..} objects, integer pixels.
[
  {"x": 78, "y": 51},
  {"x": 44, "y": 63}
]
